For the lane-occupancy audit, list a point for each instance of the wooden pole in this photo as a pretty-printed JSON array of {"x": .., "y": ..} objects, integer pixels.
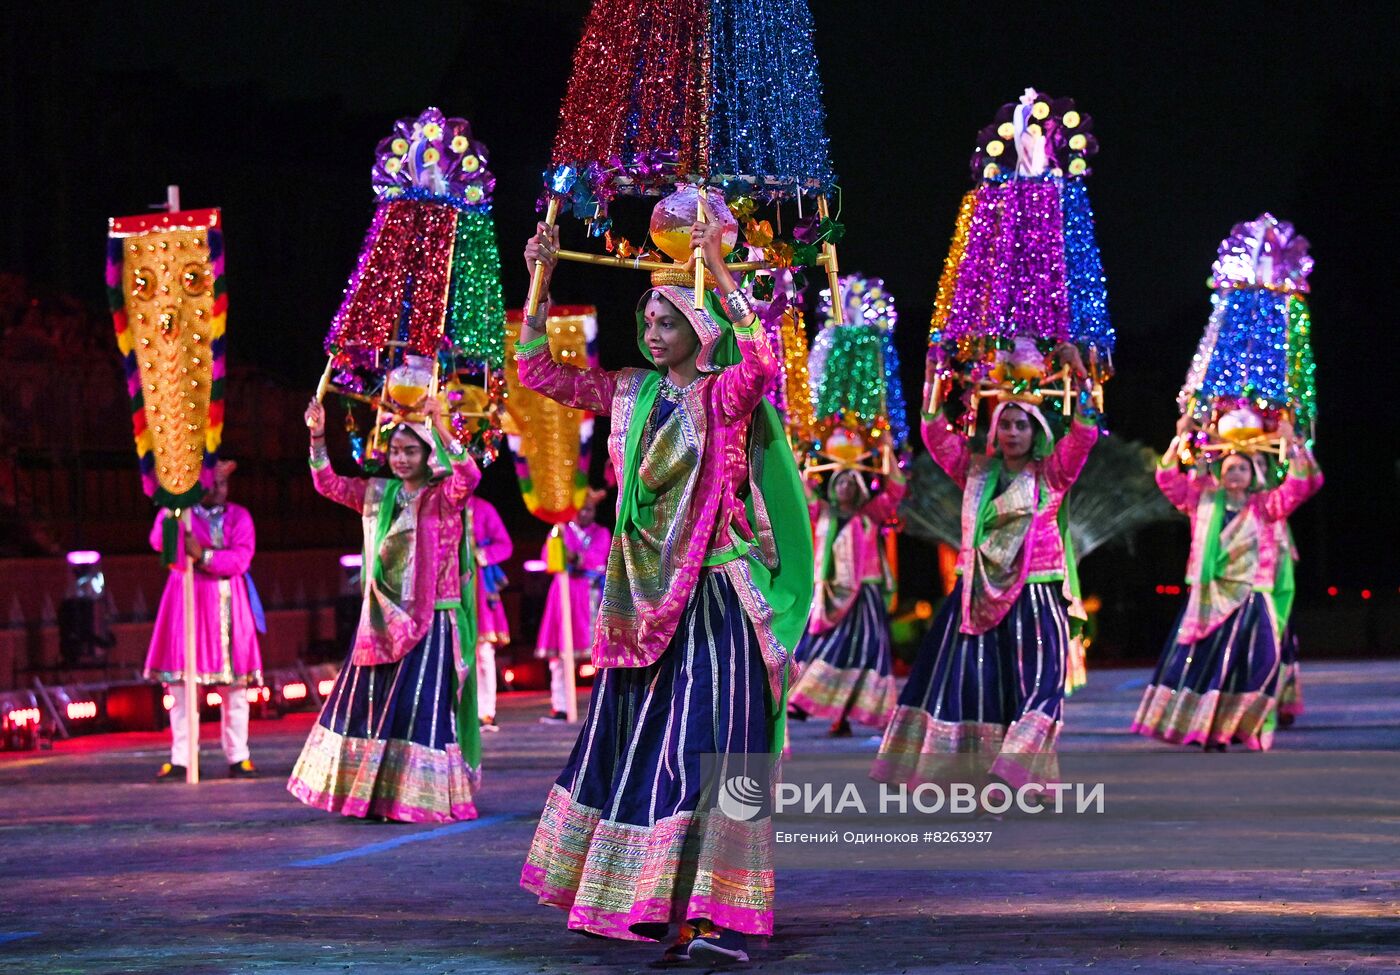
[
  {"x": 191, "y": 688},
  {"x": 325, "y": 382},
  {"x": 641, "y": 264},
  {"x": 699, "y": 255},
  {"x": 566, "y": 650},
  {"x": 532, "y": 304}
]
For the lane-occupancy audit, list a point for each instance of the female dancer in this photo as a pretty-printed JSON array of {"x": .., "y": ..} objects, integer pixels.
[
  {"x": 985, "y": 697},
  {"x": 845, "y": 655},
  {"x": 398, "y": 737},
  {"x": 1218, "y": 679},
  {"x": 586, "y": 545},
  {"x": 707, "y": 588}
]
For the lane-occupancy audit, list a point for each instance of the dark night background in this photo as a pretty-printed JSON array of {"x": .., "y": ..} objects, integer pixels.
[{"x": 1206, "y": 116}]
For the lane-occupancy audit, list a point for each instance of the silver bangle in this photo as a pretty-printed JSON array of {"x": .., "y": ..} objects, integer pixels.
[
  {"x": 455, "y": 448},
  {"x": 318, "y": 452},
  {"x": 737, "y": 306}
]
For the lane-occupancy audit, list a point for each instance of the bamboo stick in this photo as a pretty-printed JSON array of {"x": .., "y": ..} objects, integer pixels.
[
  {"x": 532, "y": 305},
  {"x": 325, "y": 383},
  {"x": 641, "y": 264},
  {"x": 699, "y": 255}
]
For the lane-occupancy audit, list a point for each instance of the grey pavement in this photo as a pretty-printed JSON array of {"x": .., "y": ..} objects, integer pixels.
[{"x": 104, "y": 871}]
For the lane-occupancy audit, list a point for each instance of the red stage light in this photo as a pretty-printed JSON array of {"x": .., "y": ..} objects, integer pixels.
[
  {"x": 326, "y": 686},
  {"x": 167, "y": 701},
  {"x": 295, "y": 691},
  {"x": 213, "y": 699},
  {"x": 78, "y": 710},
  {"x": 19, "y": 717},
  {"x": 1331, "y": 590},
  {"x": 1365, "y": 594},
  {"x": 587, "y": 670},
  {"x": 508, "y": 676}
]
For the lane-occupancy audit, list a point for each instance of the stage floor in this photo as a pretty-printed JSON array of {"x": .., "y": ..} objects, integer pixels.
[{"x": 103, "y": 870}]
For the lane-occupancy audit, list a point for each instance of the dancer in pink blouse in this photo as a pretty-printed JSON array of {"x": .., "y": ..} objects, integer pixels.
[
  {"x": 985, "y": 697},
  {"x": 1217, "y": 683},
  {"x": 708, "y": 582},
  {"x": 397, "y": 737}
]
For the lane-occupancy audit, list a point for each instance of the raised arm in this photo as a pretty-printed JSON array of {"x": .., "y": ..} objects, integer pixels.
[
  {"x": 461, "y": 482},
  {"x": 885, "y": 505},
  {"x": 464, "y": 475},
  {"x": 739, "y": 389},
  {"x": 947, "y": 447},
  {"x": 240, "y": 542},
  {"x": 1062, "y": 468},
  {"x": 1303, "y": 481},
  {"x": 349, "y": 491},
  {"x": 581, "y": 388},
  {"x": 589, "y": 389}
]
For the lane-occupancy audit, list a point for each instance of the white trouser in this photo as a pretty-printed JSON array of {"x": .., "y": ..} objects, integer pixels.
[
  {"x": 233, "y": 723},
  {"x": 486, "y": 679},
  {"x": 558, "y": 693}
]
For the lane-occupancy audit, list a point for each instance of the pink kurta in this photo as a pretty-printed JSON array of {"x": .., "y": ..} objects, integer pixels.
[
  {"x": 436, "y": 578},
  {"x": 585, "y": 586},
  {"x": 226, "y": 639},
  {"x": 493, "y": 546},
  {"x": 1054, "y": 476}
]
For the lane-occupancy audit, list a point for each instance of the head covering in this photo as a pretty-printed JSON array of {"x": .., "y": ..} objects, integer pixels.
[
  {"x": 717, "y": 345},
  {"x": 438, "y": 464},
  {"x": 1044, "y": 439},
  {"x": 862, "y": 488},
  {"x": 1258, "y": 470}
]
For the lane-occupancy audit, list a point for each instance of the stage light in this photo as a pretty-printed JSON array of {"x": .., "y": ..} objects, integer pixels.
[
  {"x": 535, "y": 565},
  {"x": 508, "y": 676},
  {"x": 213, "y": 699},
  {"x": 1365, "y": 594},
  {"x": 256, "y": 694},
  {"x": 81, "y": 710},
  {"x": 587, "y": 670},
  {"x": 84, "y": 616},
  {"x": 324, "y": 687},
  {"x": 167, "y": 701},
  {"x": 295, "y": 691},
  {"x": 1331, "y": 590},
  {"x": 351, "y": 566},
  {"x": 19, "y": 717}
]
